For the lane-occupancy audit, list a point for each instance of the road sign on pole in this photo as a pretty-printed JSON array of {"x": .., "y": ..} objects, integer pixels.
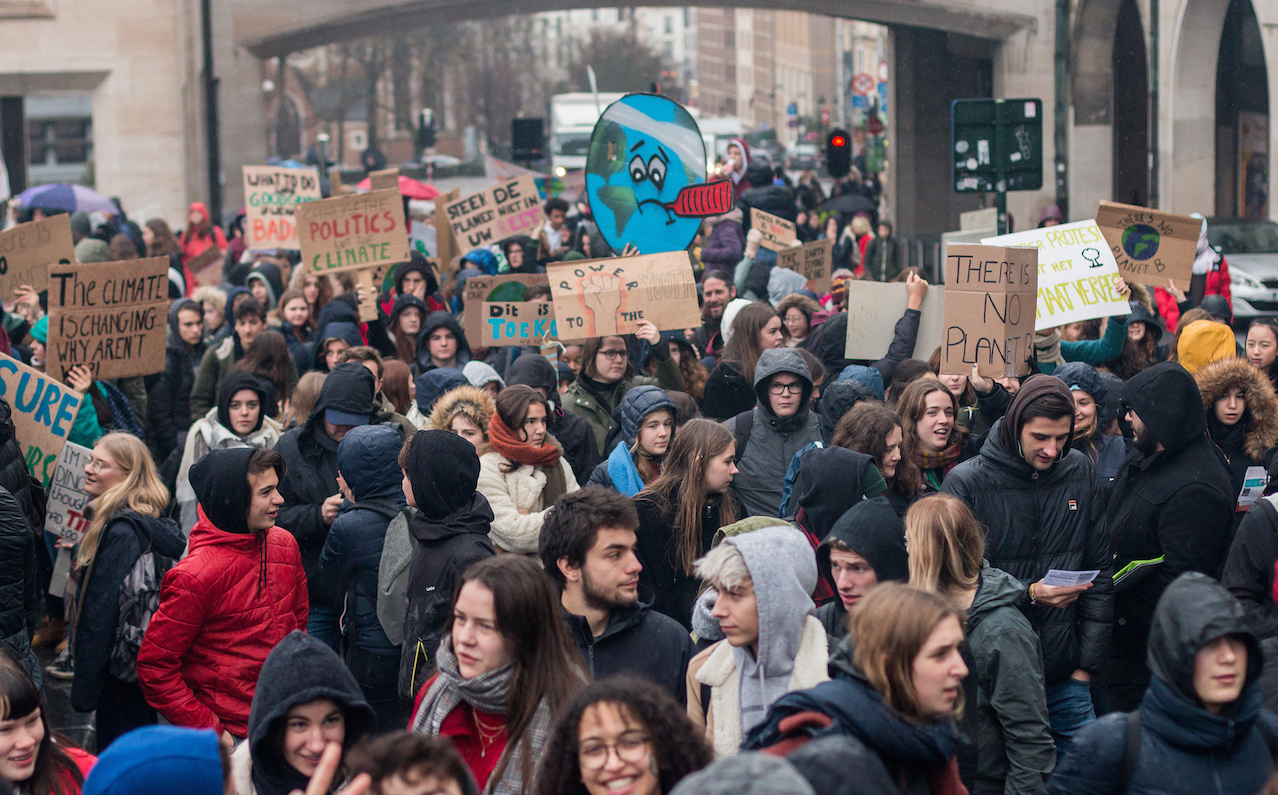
[
  {"x": 862, "y": 84},
  {"x": 997, "y": 145}
]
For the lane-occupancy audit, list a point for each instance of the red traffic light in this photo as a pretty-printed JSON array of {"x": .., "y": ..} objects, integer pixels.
[{"x": 839, "y": 140}]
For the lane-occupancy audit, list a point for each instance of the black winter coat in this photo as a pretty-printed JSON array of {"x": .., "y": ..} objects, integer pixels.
[
  {"x": 1177, "y": 503},
  {"x": 1035, "y": 521},
  {"x": 1249, "y": 569},
  {"x": 442, "y": 551},
  {"x": 674, "y": 591},
  {"x": 639, "y": 642},
  {"x": 122, "y": 542},
  {"x": 15, "y": 478},
  {"x": 168, "y": 397},
  {"x": 19, "y": 594},
  {"x": 728, "y": 393},
  {"x": 829, "y": 340}
]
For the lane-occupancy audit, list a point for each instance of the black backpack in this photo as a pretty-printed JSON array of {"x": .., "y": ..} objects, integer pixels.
[
  {"x": 139, "y": 599},
  {"x": 1132, "y": 753}
]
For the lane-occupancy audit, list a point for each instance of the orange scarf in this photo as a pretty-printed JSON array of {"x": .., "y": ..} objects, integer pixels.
[{"x": 504, "y": 441}]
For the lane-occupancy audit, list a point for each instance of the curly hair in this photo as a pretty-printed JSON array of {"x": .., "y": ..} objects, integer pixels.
[
  {"x": 676, "y": 745},
  {"x": 865, "y": 429}
]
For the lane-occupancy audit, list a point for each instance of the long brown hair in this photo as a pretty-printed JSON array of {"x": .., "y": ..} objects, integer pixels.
[
  {"x": 165, "y": 243},
  {"x": 911, "y": 407},
  {"x": 547, "y": 664},
  {"x": 865, "y": 429},
  {"x": 680, "y": 490},
  {"x": 53, "y": 766},
  {"x": 946, "y": 545},
  {"x": 695, "y": 374},
  {"x": 302, "y": 332},
  {"x": 396, "y": 379},
  {"x": 891, "y": 625},
  {"x": 268, "y": 356},
  {"x": 298, "y": 280},
  {"x": 744, "y": 348},
  {"x": 141, "y": 490}
]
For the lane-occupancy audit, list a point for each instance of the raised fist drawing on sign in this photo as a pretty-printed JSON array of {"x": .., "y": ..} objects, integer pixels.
[{"x": 601, "y": 293}]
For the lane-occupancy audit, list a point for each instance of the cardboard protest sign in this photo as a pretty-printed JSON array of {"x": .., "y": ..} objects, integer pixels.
[
  {"x": 443, "y": 232},
  {"x": 605, "y": 297},
  {"x": 518, "y": 323},
  {"x": 505, "y": 290},
  {"x": 64, "y": 516},
  {"x": 353, "y": 232},
  {"x": 386, "y": 179},
  {"x": 496, "y": 213},
  {"x": 26, "y": 249},
  {"x": 1076, "y": 273},
  {"x": 873, "y": 310},
  {"x": 777, "y": 232},
  {"x": 990, "y": 295},
  {"x": 43, "y": 412},
  {"x": 271, "y": 193},
  {"x": 1150, "y": 246},
  {"x": 812, "y": 261},
  {"x": 111, "y": 317}
]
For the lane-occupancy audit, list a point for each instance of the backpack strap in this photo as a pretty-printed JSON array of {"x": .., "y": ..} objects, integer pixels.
[
  {"x": 1128, "y": 769},
  {"x": 741, "y": 425}
]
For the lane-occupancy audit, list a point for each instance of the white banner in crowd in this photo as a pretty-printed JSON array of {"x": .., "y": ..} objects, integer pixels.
[{"x": 1076, "y": 273}]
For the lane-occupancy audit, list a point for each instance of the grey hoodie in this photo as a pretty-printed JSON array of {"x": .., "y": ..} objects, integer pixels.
[
  {"x": 783, "y": 567},
  {"x": 773, "y": 441}
]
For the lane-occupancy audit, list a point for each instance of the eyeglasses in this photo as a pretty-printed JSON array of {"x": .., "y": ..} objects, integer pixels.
[
  {"x": 613, "y": 355},
  {"x": 631, "y": 747},
  {"x": 794, "y": 388},
  {"x": 97, "y": 465}
]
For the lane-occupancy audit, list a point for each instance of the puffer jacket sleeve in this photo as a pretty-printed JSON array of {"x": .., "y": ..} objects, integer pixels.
[
  {"x": 100, "y": 612},
  {"x": 902, "y": 347},
  {"x": 1094, "y": 614},
  {"x": 17, "y": 572},
  {"x": 1095, "y": 760},
  {"x": 1249, "y": 570},
  {"x": 1013, "y": 668},
  {"x": 169, "y": 636}
]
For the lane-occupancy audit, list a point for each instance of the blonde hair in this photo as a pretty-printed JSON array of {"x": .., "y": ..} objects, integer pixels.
[
  {"x": 891, "y": 625},
  {"x": 212, "y": 295},
  {"x": 723, "y": 567},
  {"x": 141, "y": 490},
  {"x": 946, "y": 545},
  {"x": 861, "y": 224},
  {"x": 303, "y": 398}
]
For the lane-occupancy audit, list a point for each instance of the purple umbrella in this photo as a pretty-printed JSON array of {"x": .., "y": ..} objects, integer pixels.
[{"x": 66, "y": 198}]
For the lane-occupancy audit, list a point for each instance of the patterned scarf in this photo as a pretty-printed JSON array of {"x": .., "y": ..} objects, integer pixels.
[
  {"x": 488, "y": 692},
  {"x": 945, "y": 460}
]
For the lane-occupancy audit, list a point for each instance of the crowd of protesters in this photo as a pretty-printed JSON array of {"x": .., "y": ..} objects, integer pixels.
[{"x": 328, "y": 553}]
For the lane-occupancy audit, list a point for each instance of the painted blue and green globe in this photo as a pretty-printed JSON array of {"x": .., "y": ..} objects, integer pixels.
[
  {"x": 1140, "y": 241},
  {"x": 643, "y": 150}
]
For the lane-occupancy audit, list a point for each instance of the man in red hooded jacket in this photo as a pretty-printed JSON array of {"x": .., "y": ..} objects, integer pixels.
[{"x": 223, "y": 607}]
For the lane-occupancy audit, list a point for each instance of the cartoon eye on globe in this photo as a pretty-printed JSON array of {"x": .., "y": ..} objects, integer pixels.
[{"x": 645, "y": 179}]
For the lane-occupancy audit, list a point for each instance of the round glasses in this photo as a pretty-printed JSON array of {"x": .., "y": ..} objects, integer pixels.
[{"x": 631, "y": 747}]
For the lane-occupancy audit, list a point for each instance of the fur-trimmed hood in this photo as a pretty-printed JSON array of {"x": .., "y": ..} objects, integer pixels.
[
  {"x": 1215, "y": 379},
  {"x": 474, "y": 404}
]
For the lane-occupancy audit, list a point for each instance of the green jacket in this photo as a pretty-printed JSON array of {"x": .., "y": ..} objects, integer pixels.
[
  {"x": 1094, "y": 352},
  {"x": 597, "y": 414}
]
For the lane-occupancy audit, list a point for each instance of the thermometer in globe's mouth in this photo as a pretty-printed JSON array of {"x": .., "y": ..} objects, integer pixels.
[{"x": 702, "y": 200}]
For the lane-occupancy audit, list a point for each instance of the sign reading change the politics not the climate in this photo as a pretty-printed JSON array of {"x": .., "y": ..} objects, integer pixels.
[
  {"x": 353, "y": 232},
  {"x": 1076, "y": 273},
  {"x": 271, "y": 194}
]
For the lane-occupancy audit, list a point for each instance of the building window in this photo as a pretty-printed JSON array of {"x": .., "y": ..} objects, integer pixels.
[
  {"x": 669, "y": 24},
  {"x": 59, "y": 137}
]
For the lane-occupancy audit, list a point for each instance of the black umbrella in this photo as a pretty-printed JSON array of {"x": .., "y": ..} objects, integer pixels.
[{"x": 850, "y": 204}]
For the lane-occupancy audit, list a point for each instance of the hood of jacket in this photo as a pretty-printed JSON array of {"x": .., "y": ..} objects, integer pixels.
[
  {"x": 351, "y": 388},
  {"x": 466, "y": 401},
  {"x": 1203, "y": 342},
  {"x": 419, "y": 264},
  {"x": 782, "y": 360},
  {"x": 1193, "y": 611},
  {"x": 443, "y": 472},
  {"x": 344, "y": 307},
  {"x": 435, "y": 320},
  {"x": 406, "y": 301},
  {"x": 434, "y": 384},
  {"x": 1082, "y": 376},
  {"x": 269, "y": 274},
  {"x": 336, "y": 330},
  {"x": 1033, "y": 389},
  {"x": 368, "y": 459},
  {"x": 997, "y": 589},
  {"x": 229, "y": 310},
  {"x": 481, "y": 374},
  {"x": 1166, "y": 398},
  {"x": 870, "y": 377},
  {"x": 534, "y": 370},
  {"x": 836, "y": 400},
  {"x": 235, "y": 381},
  {"x": 783, "y": 282},
  {"x": 1214, "y": 382},
  {"x": 828, "y": 485},
  {"x": 871, "y": 529},
  {"x": 173, "y": 341},
  {"x": 299, "y": 670},
  {"x": 638, "y": 403},
  {"x": 220, "y": 481},
  {"x": 150, "y": 759}
]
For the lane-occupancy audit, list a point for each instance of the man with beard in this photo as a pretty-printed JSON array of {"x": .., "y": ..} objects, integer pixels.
[
  {"x": 588, "y": 548},
  {"x": 717, "y": 290},
  {"x": 1169, "y": 513}
]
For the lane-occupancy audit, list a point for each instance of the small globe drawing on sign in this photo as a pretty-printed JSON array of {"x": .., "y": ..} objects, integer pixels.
[{"x": 1140, "y": 241}]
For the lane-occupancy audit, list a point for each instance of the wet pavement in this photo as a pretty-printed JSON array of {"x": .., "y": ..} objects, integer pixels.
[{"x": 57, "y": 694}]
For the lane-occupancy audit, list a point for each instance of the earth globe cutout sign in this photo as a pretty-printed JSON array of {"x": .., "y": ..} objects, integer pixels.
[{"x": 1140, "y": 241}]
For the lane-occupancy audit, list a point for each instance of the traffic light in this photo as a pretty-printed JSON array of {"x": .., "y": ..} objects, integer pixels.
[{"x": 838, "y": 153}]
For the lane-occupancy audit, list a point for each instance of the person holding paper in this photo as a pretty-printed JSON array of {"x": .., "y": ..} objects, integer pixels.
[
  {"x": 1169, "y": 512},
  {"x": 1242, "y": 421},
  {"x": 1039, "y": 503}
]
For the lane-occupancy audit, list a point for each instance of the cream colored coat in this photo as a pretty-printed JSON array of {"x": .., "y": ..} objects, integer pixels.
[{"x": 516, "y": 500}]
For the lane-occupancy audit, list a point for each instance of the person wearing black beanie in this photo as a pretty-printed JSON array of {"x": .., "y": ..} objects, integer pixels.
[
  {"x": 450, "y": 528},
  {"x": 868, "y": 536}
]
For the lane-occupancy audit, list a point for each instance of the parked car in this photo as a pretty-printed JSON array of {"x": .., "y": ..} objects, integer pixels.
[{"x": 1251, "y": 247}]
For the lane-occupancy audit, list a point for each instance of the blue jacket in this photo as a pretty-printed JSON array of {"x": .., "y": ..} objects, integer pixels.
[{"x": 368, "y": 460}]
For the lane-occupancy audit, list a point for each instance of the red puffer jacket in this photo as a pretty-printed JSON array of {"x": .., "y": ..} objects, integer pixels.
[{"x": 222, "y": 609}]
